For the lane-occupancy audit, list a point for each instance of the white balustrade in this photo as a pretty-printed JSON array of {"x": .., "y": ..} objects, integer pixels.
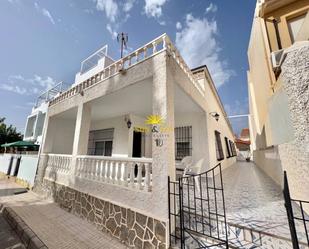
[
  {"x": 59, "y": 163},
  {"x": 128, "y": 172},
  {"x": 157, "y": 45}
]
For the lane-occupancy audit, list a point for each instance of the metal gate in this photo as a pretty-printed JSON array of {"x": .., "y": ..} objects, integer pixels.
[
  {"x": 300, "y": 216},
  {"x": 197, "y": 211}
]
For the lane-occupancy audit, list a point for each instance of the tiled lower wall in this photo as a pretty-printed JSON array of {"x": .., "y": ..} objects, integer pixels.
[{"x": 134, "y": 229}]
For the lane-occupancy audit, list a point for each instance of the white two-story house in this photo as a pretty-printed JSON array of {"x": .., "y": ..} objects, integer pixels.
[{"x": 112, "y": 139}]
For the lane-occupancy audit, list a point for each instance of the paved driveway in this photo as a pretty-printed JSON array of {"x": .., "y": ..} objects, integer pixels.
[
  {"x": 57, "y": 228},
  {"x": 254, "y": 200}
]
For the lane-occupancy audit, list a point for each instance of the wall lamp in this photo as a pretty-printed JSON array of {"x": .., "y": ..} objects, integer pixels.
[
  {"x": 128, "y": 121},
  {"x": 215, "y": 115}
]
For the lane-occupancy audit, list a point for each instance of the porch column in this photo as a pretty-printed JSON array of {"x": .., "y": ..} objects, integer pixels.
[
  {"x": 81, "y": 134},
  {"x": 45, "y": 148},
  {"x": 163, "y": 146},
  {"x": 82, "y": 127}
]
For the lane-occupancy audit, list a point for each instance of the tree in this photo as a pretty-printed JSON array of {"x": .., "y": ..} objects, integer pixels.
[{"x": 8, "y": 134}]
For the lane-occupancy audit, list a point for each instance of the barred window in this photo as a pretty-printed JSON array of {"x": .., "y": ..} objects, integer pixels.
[
  {"x": 183, "y": 142},
  {"x": 228, "y": 149},
  {"x": 219, "y": 150}
]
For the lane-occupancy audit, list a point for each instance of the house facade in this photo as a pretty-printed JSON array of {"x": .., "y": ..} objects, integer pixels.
[
  {"x": 112, "y": 139},
  {"x": 278, "y": 91}
]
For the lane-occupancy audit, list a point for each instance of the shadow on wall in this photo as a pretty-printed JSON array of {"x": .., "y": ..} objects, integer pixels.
[{"x": 260, "y": 140}]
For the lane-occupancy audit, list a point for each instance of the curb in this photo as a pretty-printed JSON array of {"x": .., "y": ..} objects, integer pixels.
[{"x": 23, "y": 231}]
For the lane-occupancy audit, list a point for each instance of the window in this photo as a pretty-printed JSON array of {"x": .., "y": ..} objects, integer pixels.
[
  {"x": 101, "y": 142},
  {"x": 233, "y": 149},
  {"x": 295, "y": 25},
  {"x": 183, "y": 142},
  {"x": 103, "y": 148},
  {"x": 219, "y": 150},
  {"x": 228, "y": 149}
]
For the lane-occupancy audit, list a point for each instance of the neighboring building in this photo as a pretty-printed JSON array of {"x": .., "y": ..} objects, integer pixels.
[
  {"x": 243, "y": 141},
  {"x": 243, "y": 145},
  {"x": 278, "y": 91},
  {"x": 245, "y": 134},
  {"x": 118, "y": 132},
  {"x": 35, "y": 121},
  {"x": 22, "y": 165}
]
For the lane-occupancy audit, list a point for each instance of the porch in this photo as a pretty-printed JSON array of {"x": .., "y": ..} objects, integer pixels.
[{"x": 111, "y": 139}]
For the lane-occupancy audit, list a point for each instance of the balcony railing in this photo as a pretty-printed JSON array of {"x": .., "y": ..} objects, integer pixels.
[
  {"x": 150, "y": 49},
  {"x": 133, "y": 173},
  {"x": 59, "y": 163}
]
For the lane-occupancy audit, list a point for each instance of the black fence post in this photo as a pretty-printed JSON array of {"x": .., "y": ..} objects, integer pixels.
[{"x": 289, "y": 210}]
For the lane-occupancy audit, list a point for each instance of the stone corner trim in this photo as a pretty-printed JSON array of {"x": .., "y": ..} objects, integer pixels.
[
  {"x": 24, "y": 232},
  {"x": 131, "y": 228}
]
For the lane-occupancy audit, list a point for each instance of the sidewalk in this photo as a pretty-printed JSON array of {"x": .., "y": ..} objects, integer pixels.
[
  {"x": 57, "y": 228},
  {"x": 8, "y": 238}
]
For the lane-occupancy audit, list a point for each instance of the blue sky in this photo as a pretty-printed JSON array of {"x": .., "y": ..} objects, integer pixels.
[{"x": 44, "y": 41}]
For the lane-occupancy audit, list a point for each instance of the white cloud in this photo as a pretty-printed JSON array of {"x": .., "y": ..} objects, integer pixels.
[
  {"x": 13, "y": 88},
  {"x": 14, "y": 1},
  {"x": 153, "y": 8},
  {"x": 45, "y": 13},
  {"x": 110, "y": 7},
  {"x": 28, "y": 86},
  {"x": 204, "y": 49},
  {"x": 211, "y": 8},
  {"x": 178, "y": 25},
  {"x": 111, "y": 31},
  {"x": 128, "y": 5},
  {"x": 237, "y": 107}
]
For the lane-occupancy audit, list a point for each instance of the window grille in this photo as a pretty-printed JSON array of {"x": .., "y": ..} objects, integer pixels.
[
  {"x": 219, "y": 150},
  {"x": 183, "y": 142}
]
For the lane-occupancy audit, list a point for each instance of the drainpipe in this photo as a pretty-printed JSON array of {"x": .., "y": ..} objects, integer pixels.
[{"x": 275, "y": 22}]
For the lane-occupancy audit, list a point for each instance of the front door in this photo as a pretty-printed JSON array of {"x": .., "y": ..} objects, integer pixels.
[{"x": 137, "y": 144}]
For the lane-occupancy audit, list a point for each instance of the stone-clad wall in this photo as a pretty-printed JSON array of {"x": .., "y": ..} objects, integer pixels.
[
  {"x": 295, "y": 154},
  {"x": 134, "y": 229}
]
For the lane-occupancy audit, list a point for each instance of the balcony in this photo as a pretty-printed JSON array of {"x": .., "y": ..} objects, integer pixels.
[{"x": 161, "y": 43}]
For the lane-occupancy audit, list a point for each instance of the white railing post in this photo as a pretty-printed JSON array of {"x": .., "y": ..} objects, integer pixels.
[
  {"x": 125, "y": 173},
  {"x": 103, "y": 170},
  {"x": 147, "y": 177},
  {"x": 132, "y": 176},
  {"x": 164, "y": 42},
  {"x": 93, "y": 169},
  {"x": 107, "y": 171},
  {"x": 154, "y": 47},
  {"x": 112, "y": 171},
  {"x": 139, "y": 175},
  {"x": 97, "y": 170},
  {"x": 119, "y": 169}
]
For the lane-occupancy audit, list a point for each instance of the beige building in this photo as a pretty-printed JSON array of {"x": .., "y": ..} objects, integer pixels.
[{"x": 278, "y": 56}]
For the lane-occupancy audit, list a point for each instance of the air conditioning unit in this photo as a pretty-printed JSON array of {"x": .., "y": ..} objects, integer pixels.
[{"x": 277, "y": 58}]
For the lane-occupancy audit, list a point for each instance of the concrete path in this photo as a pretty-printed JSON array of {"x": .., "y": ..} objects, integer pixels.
[
  {"x": 57, "y": 228},
  {"x": 254, "y": 200}
]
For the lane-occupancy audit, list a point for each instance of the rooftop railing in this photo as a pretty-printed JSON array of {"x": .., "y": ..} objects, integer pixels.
[{"x": 148, "y": 50}]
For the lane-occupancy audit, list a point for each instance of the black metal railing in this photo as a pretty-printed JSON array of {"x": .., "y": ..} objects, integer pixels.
[
  {"x": 197, "y": 210},
  {"x": 301, "y": 215}
]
